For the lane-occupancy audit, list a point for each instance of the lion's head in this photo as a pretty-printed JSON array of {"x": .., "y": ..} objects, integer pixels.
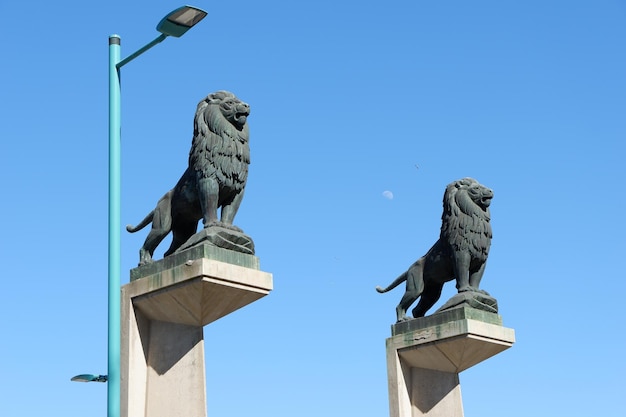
[
  {"x": 220, "y": 141},
  {"x": 465, "y": 219},
  {"x": 234, "y": 110}
]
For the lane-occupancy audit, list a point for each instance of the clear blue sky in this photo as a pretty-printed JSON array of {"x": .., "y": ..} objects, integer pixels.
[{"x": 347, "y": 97}]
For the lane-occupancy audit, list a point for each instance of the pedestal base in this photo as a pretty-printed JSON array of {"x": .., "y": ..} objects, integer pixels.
[
  {"x": 163, "y": 312},
  {"x": 426, "y": 355}
]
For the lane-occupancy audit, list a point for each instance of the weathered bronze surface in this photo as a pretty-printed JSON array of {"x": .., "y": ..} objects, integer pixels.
[
  {"x": 460, "y": 253},
  {"x": 216, "y": 178}
]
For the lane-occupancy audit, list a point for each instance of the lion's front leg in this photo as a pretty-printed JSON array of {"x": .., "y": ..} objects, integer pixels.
[
  {"x": 230, "y": 210},
  {"x": 208, "y": 192},
  {"x": 475, "y": 277},
  {"x": 461, "y": 271}
]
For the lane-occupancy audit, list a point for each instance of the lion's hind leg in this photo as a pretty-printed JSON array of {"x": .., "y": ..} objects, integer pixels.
[
  {"x": 429, "y": 297},
  {"x": 414, "y": 288},
  {"x": 152, "y": 241},
  {"x": 181, "y": 231},
  {"x": 161, "y": 226}
]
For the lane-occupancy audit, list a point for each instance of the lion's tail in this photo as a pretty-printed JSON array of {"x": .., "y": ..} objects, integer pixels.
[
  {"x": 146, "y": 221},
  {"x": 394, "y": 284}
]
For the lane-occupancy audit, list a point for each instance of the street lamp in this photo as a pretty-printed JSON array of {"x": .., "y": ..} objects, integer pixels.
[
  {"x": 89, "y": 378},
  {"x": 176, "y": 23}
]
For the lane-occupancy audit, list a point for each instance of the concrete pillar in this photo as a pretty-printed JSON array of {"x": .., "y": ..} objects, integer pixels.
[
  {"x": 164, "y": 309},
  {"x": 426, "y": 355}
]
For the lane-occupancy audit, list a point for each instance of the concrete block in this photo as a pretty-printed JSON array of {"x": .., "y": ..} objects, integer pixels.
[
  {"x": 426, "y": 355},
  {"x": 164, "y": 310},
  {"x": 205, "y": 251},
  {"x": 199, "y": 291}
]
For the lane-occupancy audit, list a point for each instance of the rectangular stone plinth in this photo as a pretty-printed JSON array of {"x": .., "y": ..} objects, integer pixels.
[
  {"x": 164, "y": 310},
  {"x": 425, "y": 356},
  {"x": 450, "y": 341},
  {"x": 198, "y": 292},
  {"x": 456, "y": 314},
  {"x": 205, "y": 251}
]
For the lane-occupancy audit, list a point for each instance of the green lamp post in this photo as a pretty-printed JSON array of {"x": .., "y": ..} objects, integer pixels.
[{"x": 176, "y": 23}]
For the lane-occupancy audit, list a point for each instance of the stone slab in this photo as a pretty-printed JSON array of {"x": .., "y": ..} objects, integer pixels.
[
  {"x": 451, "y": 346},
  {"x": 197, "y": 252},
  {"x": 198, "y": 292},
  {"x": 459, "y": 313}
]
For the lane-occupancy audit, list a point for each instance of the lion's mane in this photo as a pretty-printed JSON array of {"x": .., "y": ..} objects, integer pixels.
[
  {"x": 465, "y": 224},
  {"x": 220, "y": 147}
]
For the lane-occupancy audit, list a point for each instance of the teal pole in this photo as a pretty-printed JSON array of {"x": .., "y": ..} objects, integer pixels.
[
  {"x": 114, "y": 331},
  {"x": 115, "y": 226},
  {"x": 170, "y": 25}
]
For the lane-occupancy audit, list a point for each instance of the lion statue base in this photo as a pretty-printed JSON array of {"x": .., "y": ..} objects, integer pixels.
[
  {"x": 221, "y": 237},
  {"x": 477, "y": 300},
  {"x": 460, "y": 253}
]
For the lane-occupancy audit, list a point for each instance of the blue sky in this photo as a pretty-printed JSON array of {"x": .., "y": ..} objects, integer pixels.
[{"x": 349, "y": 100}]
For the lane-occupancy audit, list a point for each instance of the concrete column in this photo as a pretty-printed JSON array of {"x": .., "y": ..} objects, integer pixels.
[
  {"x": 435, "y": 393},
  {"x": 164, "y": 309},
  {"x": 426, "y": 355}
]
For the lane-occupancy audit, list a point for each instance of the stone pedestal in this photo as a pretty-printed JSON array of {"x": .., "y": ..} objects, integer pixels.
[
  {"x": 426, "y": 355},
  {"x": 164, "y": 309}
]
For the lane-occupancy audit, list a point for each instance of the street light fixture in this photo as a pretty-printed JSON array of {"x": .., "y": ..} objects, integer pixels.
[
  {"x": 180, "y": 21},
  {"x": 176, "y": 23},
  {"x": 90, "y": 378}
]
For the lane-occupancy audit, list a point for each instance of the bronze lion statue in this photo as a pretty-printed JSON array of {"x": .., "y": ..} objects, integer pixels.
[
  {"x": 460, "y": 253},
  {"x": 216, "y": 176}
]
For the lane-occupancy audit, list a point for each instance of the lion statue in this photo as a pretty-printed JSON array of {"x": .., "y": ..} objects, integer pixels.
[
  {"x": 216, "y": 176},
  {"x": 460, "y": 253}
]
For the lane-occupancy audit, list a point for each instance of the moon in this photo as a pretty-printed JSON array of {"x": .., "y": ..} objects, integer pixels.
[{"x": 388, "y": 195}]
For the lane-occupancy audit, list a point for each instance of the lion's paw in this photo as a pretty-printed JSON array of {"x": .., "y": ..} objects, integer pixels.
[
  {"x": 214, "y": 223},
  {"x": 233, "y": 227},
  {"x": 146, "y": 261},
  {"x": 224, "y": 226}
]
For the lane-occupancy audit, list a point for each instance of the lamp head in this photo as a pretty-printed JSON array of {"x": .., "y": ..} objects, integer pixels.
[
  {"x": 179, "y": 21},
  {"x": 90, "y": 378}
]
